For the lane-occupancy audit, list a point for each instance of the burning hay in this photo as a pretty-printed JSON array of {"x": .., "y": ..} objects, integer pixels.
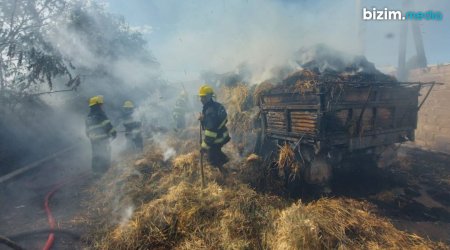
[
  {"x": 188, "y": 217},
  {"x": 241, "y": 116},
  {"x": 261, "y": 89},
  {"x": 156, "y": 203},
  {"x": 163, "y": 209},
  {"x": 236, "y": 98}
]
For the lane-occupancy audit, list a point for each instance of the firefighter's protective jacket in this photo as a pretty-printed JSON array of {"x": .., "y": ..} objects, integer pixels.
[
  {"x": 132, "y": 127},
  {"x": 98, "y": 126},
  {"x": 214, "y": 123},
  {"x": 181, "y": 107}
]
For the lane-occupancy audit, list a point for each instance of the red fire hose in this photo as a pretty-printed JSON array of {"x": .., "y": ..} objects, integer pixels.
[{"x": 51, "y": 220}]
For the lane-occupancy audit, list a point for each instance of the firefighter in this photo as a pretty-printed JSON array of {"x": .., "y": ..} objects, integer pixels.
[
  {"x": 99, "y": 130},
  {"x": 180, "y": 110},
  {"x": 213, "y": 120},
  {"x": 133, "y": 132}
]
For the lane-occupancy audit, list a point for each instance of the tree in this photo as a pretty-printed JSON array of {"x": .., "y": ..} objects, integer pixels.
[
  {"x": 37, "y": 41},
  {"x": 27, "y": 58}
]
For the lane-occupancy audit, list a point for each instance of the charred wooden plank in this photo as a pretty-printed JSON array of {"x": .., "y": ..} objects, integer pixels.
[{"x": 297, "y": 106}]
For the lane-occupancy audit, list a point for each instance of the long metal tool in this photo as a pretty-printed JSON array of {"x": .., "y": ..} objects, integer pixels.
[{"x": 201, "y": 158}]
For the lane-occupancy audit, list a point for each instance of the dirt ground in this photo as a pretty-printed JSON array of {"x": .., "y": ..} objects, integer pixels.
[
  {"x": 414, "y": 194},
  {"x": 22, "y": 202}
]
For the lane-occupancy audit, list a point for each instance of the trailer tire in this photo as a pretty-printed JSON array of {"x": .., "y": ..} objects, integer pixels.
[
  {"x": 387, "y": 156},
  {"x": 319, "y": 171}
]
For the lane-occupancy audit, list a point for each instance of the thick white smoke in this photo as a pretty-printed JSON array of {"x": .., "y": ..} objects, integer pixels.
[{"x": 189, "y": 37}]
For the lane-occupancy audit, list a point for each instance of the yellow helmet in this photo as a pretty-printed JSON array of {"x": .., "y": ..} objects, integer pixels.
[
  {"x": 205, "y": 90},
  {"x": 128, "y": 104},
  {"x": 96, "y": 100}
]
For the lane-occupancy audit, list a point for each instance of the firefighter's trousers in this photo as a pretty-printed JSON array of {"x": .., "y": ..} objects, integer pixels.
[{"x": 101, "y": 155}]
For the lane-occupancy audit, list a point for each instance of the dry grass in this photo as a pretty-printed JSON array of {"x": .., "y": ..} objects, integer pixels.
[
  {"x": 187, "y": 162},
  {"x": 188, "y": 217},
  {"x": 171, "y": 211},
  {"x": 340, "y": 224}
]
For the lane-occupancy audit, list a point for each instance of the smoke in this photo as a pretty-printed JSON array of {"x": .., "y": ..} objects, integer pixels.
[
  {"x": 220, "y": 36},
  {"x": 320, "y": 58},
  {"x": 126, "y": 215},
  {"x": 191, "y": 37},
  {"x": 169, "y": 153}
]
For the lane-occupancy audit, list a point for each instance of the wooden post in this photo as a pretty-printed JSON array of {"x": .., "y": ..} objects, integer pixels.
[{"x": 201, "y": 158}]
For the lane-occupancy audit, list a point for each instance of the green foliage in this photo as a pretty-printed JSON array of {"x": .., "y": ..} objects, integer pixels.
[
  {"x": 26, "y": 57},
  {"x": 36, "y": 38}
]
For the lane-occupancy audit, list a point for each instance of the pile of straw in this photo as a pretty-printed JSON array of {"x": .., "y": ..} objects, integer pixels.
[
  {"x": 241, "y": 116},
  {"x": 287, "y": 163},
  {"x": 150, "y": 203},
  {"x": 188, "y": 217},
  {"x": 340, "y": 224}
]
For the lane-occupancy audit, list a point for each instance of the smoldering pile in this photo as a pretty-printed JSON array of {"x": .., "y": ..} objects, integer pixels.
[
  {"x": 151, "y": 203},
  {"x": 332, "y": 65},
  {"x": 155, "y": 204}
]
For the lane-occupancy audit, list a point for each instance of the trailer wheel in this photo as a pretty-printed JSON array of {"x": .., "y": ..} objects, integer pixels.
[
  {"x": 387, "y": 156},
  {"x": 319, "y": 171}
]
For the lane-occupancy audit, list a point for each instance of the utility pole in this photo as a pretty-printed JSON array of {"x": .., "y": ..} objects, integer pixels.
[
  {"x": 361, "y": 31},
  {"x": 420, "y": 60}
]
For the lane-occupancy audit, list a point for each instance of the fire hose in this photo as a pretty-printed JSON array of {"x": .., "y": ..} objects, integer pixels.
[
  {"x": 10, "y": 241},
  {"x": 51, "y": 220}
]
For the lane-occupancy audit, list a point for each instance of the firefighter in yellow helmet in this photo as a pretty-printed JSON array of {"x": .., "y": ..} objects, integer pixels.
[
  {"x": 133, "y": 132},
  {"x": 99, "y": 130},
  {"x": 180, "y": 110},
  {"x": 214, "y": 121}
]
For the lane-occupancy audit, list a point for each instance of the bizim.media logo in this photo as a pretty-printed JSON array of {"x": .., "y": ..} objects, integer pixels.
[{"x": 387, "y": 14}]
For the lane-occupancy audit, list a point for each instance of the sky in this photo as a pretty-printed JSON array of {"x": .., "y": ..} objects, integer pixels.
[{"x": 188, "y": 37}]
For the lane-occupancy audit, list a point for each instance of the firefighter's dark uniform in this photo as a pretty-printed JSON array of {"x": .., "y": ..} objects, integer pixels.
[
  {"x": 133, "y": 132},
  {"x": 178, "y": 114},
  {"x": 99, "y": 130},
  {"x": 216, "y": 133}
]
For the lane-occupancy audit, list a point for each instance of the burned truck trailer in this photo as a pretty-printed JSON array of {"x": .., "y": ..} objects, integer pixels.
[{"x": 328, "y": 119}]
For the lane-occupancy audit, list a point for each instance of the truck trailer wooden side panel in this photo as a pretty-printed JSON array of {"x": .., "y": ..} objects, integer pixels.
[{"x": 351, "y": 115}]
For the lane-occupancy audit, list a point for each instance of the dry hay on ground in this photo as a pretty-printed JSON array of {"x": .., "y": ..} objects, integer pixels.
[
  {"x": 236, "y": 217},
  {"x": 340, "y": 224},
  {"x": 188, "y": 217},
  {"x": 163, "y": 208}
]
